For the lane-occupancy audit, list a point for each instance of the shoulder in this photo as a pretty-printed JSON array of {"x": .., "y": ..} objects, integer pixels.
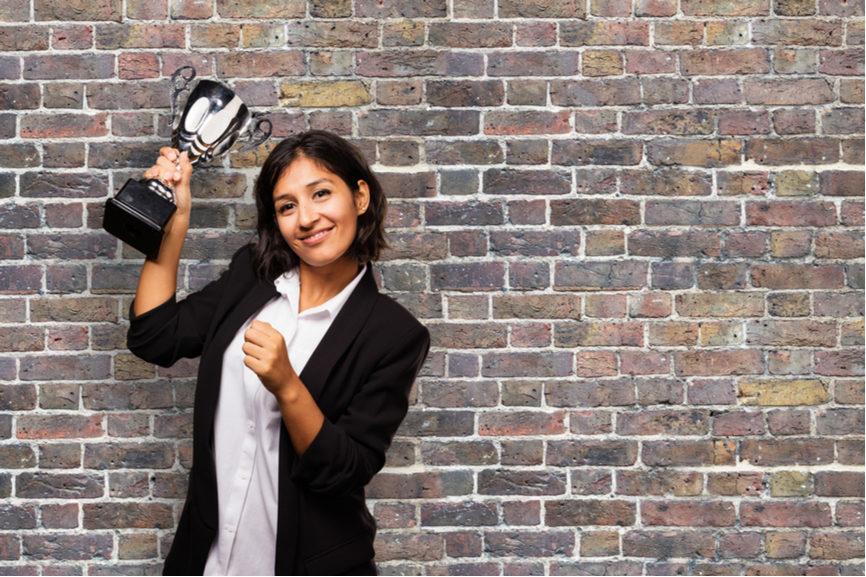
[
  {"x": 244, "y": 253},
  {"x": 242, "y": 261},
  {"x": 393, "y": 336},
  {"x": 389, "y": 317}
]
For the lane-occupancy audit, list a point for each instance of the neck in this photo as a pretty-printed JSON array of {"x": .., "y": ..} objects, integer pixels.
[{"x": 318, "y": 284}]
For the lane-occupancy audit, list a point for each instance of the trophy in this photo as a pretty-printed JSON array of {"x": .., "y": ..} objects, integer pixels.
[{"x": 213, "y": 120}]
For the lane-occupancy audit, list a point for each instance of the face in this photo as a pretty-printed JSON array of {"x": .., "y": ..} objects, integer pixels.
[{"x": 308, "y": 199}]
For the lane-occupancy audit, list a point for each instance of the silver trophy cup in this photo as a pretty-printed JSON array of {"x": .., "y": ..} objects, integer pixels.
[{"x": 212, "y": 121}]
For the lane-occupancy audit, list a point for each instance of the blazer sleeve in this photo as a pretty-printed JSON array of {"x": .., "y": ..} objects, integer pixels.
[
  {"x": 176, "y": 329},
  {"x": 346, "y": 454}
]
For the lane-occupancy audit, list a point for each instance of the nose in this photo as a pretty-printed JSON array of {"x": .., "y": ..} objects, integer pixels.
[{"x": 307, "y": 215}]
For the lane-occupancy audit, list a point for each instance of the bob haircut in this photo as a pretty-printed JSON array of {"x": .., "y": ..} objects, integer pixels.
[{"x": 272, "y": 254}]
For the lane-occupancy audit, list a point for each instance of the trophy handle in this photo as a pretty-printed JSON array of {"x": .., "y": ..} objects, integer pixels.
[
  {"x": 255, "y": 134},
  {"x": 180, "y": 80}
]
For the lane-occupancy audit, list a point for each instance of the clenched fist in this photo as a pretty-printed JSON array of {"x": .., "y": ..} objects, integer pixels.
[
  {"x": 174, "y": 170},
  {"x": 268, "y": 357}
]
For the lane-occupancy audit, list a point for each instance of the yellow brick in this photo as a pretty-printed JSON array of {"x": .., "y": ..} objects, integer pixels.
[
  {"x": 709, "y": 152},
  {"x": 324, "y": 93},
  {"x": 130, "y": 367},
  {"x": 777, "y": 392},
  {"x": 796, "y": 183},
  {"x": 720, "y": 334},
  {"x": 599, "y": 543},
  {"x": 601, "y": 63},
  {"x": 253, "y": 158},
  {"x": 789, "y": 484},
  {"x": 409, "y": 32}
]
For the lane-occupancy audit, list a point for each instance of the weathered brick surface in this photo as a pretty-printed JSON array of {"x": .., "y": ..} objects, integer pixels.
[{"x": 633, "y": 227}]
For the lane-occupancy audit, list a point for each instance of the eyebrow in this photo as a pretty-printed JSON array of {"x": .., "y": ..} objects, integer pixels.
[{"x": 309, "y": 184}]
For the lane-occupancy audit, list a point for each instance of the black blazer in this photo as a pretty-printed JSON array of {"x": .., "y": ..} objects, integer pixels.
[{"x": 360, "y": 375}]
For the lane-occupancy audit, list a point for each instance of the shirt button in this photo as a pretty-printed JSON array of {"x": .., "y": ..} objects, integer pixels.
[{"x": 251, "y": 426}]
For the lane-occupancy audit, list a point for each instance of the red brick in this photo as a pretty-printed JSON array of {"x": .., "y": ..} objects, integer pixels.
[
  {"x": 688, "y": 513},
  {"x": 785, "y": 514},
  {"x": 790, "y": 213},
  {"x": 64, "y": 125}
]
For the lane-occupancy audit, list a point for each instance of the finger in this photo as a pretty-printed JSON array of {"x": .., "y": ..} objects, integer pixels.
[
  {"x": 184, "y": 159},
  {"x": 165, "y": 176},
  {"x": 269, "y": 336},
  {"x": 265, "y": 327},
  {"x": 253, "y": 350},
  {"x": 164, "y": 162},
  {"x": 255, "y": 336},
  {"x": 255, "y": 365},
  {"x": 264, "y": 342},
  {"x": 251, "y": 363},
  {"x": 166, "y": 173},
  {"x": 169, "y": 171},
  {"x": 168, "y": 152},
  {"x": 260, "y": 326}
]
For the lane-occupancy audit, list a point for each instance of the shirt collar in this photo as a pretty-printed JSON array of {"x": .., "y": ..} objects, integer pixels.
[{"x": 288, "y": 285}]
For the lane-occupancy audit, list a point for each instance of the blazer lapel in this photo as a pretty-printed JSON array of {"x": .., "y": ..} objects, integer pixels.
[{"x": 340, "y": 334}]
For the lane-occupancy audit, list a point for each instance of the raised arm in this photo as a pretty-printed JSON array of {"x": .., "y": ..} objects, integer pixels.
[
  {"x": 161, "y": 329},
  {"x": 158, "y": 278}
]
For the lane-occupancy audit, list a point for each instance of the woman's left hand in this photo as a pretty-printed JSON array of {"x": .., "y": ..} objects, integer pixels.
[{"x": 267, "y": 356}]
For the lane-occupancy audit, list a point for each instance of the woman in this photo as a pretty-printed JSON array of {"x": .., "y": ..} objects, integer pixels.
[{"x": 305, "y": 368}]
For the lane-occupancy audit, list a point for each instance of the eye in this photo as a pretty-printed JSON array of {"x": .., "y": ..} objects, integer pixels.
[{"x": 289, "y": 204}]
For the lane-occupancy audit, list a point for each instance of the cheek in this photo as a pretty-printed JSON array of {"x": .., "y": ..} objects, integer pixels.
[{"x": 284, "y": 227}]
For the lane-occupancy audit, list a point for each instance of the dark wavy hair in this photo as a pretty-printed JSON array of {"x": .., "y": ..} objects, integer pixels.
[{"x": 272, "y": 254}]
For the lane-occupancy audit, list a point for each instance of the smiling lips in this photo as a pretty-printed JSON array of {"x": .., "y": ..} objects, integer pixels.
[{"x": 316, "y": 237}]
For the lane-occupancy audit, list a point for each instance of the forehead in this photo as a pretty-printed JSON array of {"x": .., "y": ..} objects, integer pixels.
[
  {"x": 302, "y": 170},
  {"x": 300, "y": 176}
]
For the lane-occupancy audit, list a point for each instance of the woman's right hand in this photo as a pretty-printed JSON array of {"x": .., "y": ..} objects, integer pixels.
[{"x": 174, "y": 170}]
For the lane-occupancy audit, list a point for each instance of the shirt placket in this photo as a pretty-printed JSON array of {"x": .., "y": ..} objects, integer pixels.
[{"x": 244, "y": 470}]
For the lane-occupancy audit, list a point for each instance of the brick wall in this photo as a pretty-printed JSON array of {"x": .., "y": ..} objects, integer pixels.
[{"x": 634, "y": 229}]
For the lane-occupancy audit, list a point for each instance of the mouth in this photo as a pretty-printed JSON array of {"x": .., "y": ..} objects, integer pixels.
[{"x": 317, "y": 237}]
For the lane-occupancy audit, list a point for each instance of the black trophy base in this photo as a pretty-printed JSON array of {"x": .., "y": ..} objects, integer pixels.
[{"x": 137, "y": 215}]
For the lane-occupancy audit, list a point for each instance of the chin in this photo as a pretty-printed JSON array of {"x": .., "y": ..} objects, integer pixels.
[
  {"x": 318, "y": 258},
  {"x": 318, "y": 262}
]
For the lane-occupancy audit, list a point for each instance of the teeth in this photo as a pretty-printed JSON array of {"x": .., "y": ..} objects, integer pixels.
[{"x": 314, "y": 237}]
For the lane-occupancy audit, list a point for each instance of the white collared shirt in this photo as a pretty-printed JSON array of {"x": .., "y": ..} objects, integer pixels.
[{"x": 247, "y": 433}]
